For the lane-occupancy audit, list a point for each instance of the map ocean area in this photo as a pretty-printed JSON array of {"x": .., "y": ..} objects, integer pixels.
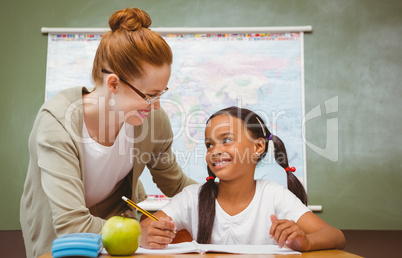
[
  {"x": 261, "y": 72},
  {"x": 194, "y": 247}
]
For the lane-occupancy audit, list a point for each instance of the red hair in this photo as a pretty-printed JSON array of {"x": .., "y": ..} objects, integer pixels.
[{"x": 129, "y": 45}]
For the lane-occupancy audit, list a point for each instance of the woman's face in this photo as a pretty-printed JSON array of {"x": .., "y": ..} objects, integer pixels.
[
  {"x": 131, "y": 107},
  {"x": 230, "y": 148}
]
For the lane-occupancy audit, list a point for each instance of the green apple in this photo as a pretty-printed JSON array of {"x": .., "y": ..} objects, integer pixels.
[{"x": 121, "y": 236}]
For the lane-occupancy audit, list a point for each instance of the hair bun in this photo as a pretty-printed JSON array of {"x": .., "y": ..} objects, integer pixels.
[{"x": 131, "y": 19}]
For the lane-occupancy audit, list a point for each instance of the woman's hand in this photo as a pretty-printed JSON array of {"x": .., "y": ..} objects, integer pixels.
[
  {"x": 157, "y": 234},
  {"x": 287, "y": 232}
]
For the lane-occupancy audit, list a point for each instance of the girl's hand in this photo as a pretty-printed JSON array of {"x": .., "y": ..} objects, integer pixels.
[
  {"x": 158, "y": 234},
  {"x": 287, "y": 232}
]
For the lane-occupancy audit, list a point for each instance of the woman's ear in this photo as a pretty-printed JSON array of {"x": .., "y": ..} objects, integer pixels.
[{"x": 112, "y": 81}]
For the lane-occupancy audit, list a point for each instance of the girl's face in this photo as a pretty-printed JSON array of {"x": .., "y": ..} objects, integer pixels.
[
  {"x": 231, "y": 150},
  {"x": 131, "y": 107}
]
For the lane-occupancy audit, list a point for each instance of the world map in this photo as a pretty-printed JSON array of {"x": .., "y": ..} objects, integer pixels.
[{"x": 261, "y": 72}]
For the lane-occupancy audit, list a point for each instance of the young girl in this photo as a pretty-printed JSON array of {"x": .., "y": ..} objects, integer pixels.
[{"x": 239, "y": 209}]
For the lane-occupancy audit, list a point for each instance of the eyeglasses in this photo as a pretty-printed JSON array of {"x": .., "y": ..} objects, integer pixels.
[{"x": 148, "y": 99}]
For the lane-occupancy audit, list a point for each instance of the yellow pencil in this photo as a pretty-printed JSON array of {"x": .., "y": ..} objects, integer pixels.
[{"x": 139, "y": 208}]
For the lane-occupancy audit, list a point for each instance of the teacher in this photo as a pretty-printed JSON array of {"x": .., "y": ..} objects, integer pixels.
[{"x": 88, "y": 148}]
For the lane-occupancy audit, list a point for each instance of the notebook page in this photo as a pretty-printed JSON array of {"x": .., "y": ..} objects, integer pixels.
[{"x": 246, "y": 249}]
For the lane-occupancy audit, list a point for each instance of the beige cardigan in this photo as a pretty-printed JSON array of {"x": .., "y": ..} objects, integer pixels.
[{"x": 53, "y": 202}]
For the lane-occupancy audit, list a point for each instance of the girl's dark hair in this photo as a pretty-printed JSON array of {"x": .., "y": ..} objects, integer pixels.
[{"x": 209, "y": 191}]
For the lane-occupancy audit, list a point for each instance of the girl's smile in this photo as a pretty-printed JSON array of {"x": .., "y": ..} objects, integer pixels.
[{"x": 220, "y": 163}]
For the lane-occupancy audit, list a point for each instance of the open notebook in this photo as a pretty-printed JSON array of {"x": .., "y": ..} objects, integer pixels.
[{"x": 194, "y": 247}]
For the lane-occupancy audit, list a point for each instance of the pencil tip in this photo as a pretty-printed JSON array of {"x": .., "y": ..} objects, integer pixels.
[{"x": 124, "y": 198}]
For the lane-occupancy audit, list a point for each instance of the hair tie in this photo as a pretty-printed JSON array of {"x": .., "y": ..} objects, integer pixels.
[
  {"x": 270, "y": 137},
  {"x": 293, "y": 169},
  {"x": 210, "y": 178}
]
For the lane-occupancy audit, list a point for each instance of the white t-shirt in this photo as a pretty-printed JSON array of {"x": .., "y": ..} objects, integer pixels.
[
  {"x": 249, "y": 227},
  {"x": 105, "y": 166}
]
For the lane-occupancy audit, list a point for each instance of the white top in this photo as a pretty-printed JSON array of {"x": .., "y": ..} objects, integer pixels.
[
  {"x": 105, "y": 166},
  {"x": 249, "y": 227}
]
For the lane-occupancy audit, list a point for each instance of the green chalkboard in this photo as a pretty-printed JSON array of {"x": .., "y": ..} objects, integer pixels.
[{"x": 353, "y": 61}]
